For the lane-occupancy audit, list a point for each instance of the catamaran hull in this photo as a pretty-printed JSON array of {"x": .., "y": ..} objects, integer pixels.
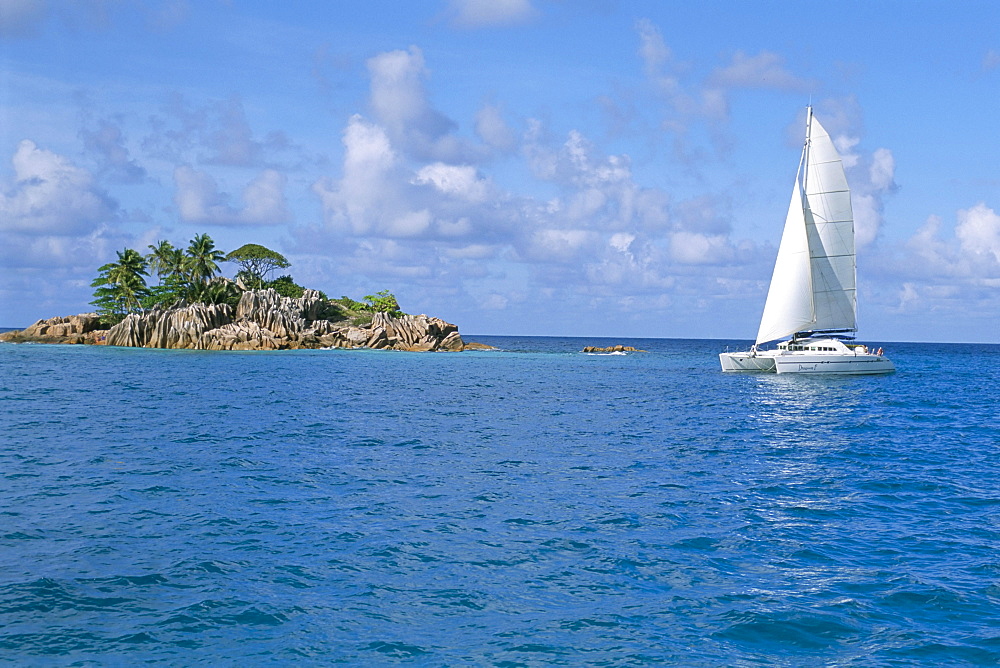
[
  {"x": 804, "y": 362},
  {"x": 746, "y": 362},
  {"x": 833, "y": 364}
]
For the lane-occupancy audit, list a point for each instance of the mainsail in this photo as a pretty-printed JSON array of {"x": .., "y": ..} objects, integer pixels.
[{"x": 813, "y": 287}]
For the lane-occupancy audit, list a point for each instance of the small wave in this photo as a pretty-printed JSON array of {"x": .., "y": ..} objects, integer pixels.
[
  {"x": 397, "y": 650},
  {"x": 808, "y": 630}
]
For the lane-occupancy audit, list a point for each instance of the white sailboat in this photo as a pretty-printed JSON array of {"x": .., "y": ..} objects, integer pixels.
[{"x": 813, "y": 294}]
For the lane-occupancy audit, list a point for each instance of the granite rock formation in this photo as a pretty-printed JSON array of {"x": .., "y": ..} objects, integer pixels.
[
  {"x": 264, "y": 320},
  {"x": 82, "y": 328}
]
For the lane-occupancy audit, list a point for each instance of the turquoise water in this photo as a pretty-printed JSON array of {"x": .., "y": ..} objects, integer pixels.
[{"x": 535, "y": 506}]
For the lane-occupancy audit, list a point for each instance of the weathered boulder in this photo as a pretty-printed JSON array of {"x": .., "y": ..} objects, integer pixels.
[
  {"x": 416, "y": 333},
  {"x": 356, "y": 337},
  {"x": 61, "y": 329},
  {"x": 473, "y": 345},
  {"x": 452, "y": 342}
]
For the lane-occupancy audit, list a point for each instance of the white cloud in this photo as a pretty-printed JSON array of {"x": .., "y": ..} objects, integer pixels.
[
  {"x": 600, "y": 189},
  {"x": 971, "y": 256},
  {"x": 765, "y": 70},
  {"x": 664, "y": 74},
  {"x": 846, "y": 146},
  {"x": 216, "y": 133},
  {"x": 978, "y": 232},
  {"x": 707, "y": 100},
  {"x": 702, "y": 215},
  {"x": 656, "y": 55},
  {"x": 199, "y": 200},
  {"x": 560, "y": 244},
  {"x": 495, "y": 302},
  {"x": 932, "y": 253},
  {"x": 379, "y": 195},
  {"x": 107, "y": 143},
  {"x": 883, "y": 169},
  {"x": 697, "y": 248},
  {"x": 399, "y": 102},
  {"x": 490, "y": 13},
  {"x": 471, "y": 252},
  {"x": 461, "y": 181},
  {"x": 397, "y": 92},
  {"x": 369, "y": 184},
  {"x": 869, "y": 187},
  {"x": 409, "y": 224},
  {"x": 78, "y": 254},
  {"x": 493, "y": 129},
  {"x": 51, "y": 195},
  {"x": 265, "y": 199},
  {"x": 621, "y": 241}
]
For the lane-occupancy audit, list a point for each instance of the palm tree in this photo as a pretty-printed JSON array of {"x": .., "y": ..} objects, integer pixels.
[
  {"x": 165, "y": 259},
  {"x": 120, "y": 285},
  {"x": 127, "y": 274},
  {"x": 202, "y": 259}
]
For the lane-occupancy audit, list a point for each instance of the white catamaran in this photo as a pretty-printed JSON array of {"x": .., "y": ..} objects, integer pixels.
[{"x": 813, "y": 295}]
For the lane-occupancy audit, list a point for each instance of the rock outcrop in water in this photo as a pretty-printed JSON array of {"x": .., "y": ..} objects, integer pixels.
[
  {"x": 612, "y": 349},
  {"x": 81, "y": 328}
]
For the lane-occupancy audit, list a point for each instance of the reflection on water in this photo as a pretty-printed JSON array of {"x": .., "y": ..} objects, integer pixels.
[
  {"x": 803, "y": 426},
  {"x": 781, "y": 398}
]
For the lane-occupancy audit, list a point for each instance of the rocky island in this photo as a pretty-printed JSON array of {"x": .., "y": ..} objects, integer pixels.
[
  {"x": 195, "y": 309},
  {"x": 262, "y": 320}
]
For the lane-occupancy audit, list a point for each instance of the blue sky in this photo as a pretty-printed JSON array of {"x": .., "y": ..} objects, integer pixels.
[{"x": 514, "y": 166}]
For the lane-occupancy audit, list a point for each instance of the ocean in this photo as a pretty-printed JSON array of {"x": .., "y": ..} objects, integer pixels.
[{"x": 523, "y": 507}]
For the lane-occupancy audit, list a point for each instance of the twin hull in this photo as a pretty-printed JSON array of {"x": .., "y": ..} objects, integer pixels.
[{"x": 775, "y": 361}]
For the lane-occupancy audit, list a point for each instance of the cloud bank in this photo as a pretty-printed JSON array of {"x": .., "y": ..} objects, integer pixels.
[{"x": 517, "y": 214}]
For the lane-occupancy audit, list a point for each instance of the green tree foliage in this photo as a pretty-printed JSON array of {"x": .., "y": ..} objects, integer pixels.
[
  {"x": 351, "y": 305},
  {"x": 286, "y": 287},
  {"x": 383, "y": 302},
  {"x": 165, "y": 260},
  {"x": 202, "y": 259},
  {"x": 191, "y": 275},
  {"x": 218, "y": 290},
  {"x": 186, "y": 274},
  {"x": 256, "y": 262},
  {"x": 121, "y": 287}
]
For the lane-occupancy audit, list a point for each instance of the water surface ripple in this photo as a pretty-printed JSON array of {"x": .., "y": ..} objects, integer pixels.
[{"x": 536, "y": 506}]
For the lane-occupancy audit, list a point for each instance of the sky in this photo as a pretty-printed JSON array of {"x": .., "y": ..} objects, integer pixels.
[{"x": 517, "y": 167}]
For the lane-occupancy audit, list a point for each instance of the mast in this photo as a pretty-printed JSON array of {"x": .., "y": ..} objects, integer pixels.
[
  {"x": 805, "y": 153},
  {"x": 806, "y": 210}
]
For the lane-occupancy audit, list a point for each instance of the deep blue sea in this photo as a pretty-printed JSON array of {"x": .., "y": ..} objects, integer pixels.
[{"x": 526, "y": 507}]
